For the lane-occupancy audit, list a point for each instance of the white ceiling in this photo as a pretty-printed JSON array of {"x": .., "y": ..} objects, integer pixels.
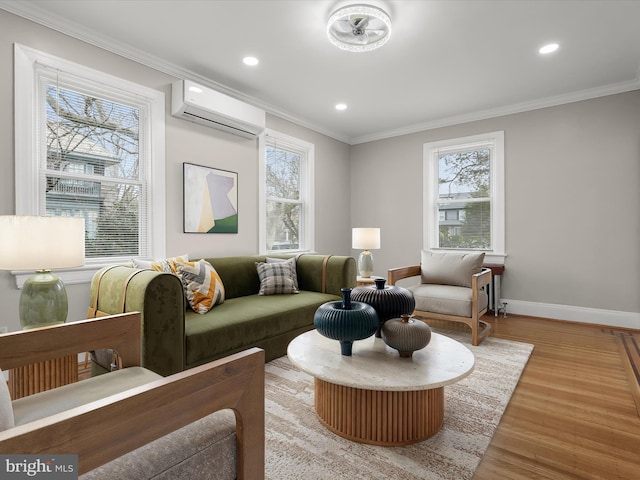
[{"x": 447, "y": 61}]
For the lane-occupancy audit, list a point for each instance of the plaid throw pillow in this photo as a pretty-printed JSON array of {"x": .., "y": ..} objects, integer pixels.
[
  {"x": 275, "y": 278},
  {"x": 290, "y": 261}
]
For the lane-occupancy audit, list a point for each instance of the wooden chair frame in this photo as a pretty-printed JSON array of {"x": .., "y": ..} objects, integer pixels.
[
  {"x": 479, "y": 329},
  {"x": 106, "y": 429}
]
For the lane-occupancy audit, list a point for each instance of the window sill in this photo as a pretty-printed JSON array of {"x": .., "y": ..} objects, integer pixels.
[{"x": 70, "y": 276}]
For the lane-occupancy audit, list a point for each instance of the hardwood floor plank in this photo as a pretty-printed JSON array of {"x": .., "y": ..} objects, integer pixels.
[{"x": 573, "y": 414}]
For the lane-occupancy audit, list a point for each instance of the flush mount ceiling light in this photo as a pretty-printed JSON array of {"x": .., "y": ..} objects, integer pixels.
[{"x": 359, "y": 28}]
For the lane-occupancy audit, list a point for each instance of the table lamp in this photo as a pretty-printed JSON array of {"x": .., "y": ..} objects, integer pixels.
[
  {"x": 366, "y": 239},
  {"x": 41, "y": 244}
]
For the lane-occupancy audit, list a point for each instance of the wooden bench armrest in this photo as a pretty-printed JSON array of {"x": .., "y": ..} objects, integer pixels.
[
  {"x": 120, "y": 332},
  {"x": 104, "y": 430},
  {"x": 395, "y": 274}
]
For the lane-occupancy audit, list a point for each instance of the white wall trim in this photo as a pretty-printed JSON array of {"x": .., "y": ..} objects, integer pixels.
[{"x": 611, "y": 318}]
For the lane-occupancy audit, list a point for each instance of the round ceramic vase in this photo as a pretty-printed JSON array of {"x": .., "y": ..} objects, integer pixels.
[
  {"x": 406, "y": 335},
  {"x": 346, "y": 321},
  {"x": 389, "y": 302}
]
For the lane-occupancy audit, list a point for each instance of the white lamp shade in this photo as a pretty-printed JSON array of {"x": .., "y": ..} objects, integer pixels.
[
  {"x": 41, "y": 243},
  {"x": 366, "y": 238}
]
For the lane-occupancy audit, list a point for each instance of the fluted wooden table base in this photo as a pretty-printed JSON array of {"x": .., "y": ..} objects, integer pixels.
[{"x": 379, "y": 417}]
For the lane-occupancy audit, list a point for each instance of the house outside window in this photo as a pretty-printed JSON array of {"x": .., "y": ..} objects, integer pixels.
[
  {"x": 286, "y": 197},
  {"x": 464, "y": 195},
  {"x": 91, "y": 145}
]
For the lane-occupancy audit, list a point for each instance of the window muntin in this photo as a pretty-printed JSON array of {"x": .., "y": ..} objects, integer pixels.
[
  {"x": 464, "y": 194},
  {"x": 287, "y": 202},
  {"x": 90, "y": 144}
]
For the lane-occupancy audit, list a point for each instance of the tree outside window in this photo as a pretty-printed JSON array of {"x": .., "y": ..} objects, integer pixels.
[
  {"x": 89, "y": 144},
  {"x": 287, "y": 194},
  {"x": 92, "y": 144},
  {"x": 464, "y": 194}
]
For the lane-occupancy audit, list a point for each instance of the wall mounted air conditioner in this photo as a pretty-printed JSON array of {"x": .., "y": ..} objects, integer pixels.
[{"x": 205, "y": 106}]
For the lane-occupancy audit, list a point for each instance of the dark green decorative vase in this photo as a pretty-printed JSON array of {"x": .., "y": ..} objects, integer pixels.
[
  {"x": 346, "y": 321},
  {"x": 389, "y": 302}
]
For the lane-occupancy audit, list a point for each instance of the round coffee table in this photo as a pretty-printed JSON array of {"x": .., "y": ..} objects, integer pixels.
[{"x": 376, "y": 397}]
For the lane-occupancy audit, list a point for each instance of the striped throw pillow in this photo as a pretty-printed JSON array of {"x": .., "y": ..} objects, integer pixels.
[{"x": 202, "y": 285}]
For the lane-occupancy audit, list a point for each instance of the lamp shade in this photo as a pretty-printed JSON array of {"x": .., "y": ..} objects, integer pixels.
[
  {"x": 366, "y": 238},
  {"x": 41, "y": 243}
]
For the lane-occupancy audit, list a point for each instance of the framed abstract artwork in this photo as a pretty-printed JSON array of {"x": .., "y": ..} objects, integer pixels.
[{"x": 210, "y": 200}]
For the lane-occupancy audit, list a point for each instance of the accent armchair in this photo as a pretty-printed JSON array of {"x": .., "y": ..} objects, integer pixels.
[
  {"x": 110, "y": 420},
  {"x": 452, "y": 287}
]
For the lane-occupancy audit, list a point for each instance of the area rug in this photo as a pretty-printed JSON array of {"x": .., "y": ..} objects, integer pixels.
[{"x": 299, "y": 447}]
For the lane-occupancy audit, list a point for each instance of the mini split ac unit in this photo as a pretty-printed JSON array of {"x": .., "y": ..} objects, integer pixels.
[{"x": 205, "y": 106}]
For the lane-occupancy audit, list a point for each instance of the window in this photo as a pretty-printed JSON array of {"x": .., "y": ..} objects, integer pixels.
[
  {"x": 464, "y": 194},
  {"x": 286, "y": 219},
  {"x": 91, "y": 145}
]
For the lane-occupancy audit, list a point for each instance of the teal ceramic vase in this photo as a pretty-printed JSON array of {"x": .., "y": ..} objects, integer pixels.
[
  {"x": 346, "y": 321},
  {"x": 389, "y": 302}
]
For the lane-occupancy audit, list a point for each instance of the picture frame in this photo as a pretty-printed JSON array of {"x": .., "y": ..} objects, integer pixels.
[{"x": 210, "y": 199}]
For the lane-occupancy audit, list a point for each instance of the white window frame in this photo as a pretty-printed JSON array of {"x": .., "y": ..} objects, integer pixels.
[
  {"x": 307, "y": 170},
  {"x": 497, "y": 252},
  {"x": 26, "y": 152}
]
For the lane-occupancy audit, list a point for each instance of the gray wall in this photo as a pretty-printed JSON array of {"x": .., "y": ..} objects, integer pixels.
[
  {"x": 572, "y": 206},
  {"x": 572, "y": 196},
  {"x": 185, "y": 142}
]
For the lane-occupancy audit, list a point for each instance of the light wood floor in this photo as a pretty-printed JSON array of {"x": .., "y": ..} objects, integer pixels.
[{"x": 573, "y": 414}]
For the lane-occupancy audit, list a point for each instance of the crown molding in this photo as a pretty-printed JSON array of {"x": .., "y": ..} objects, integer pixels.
[
  {"x": 507, "y": 110},
  {"x": 60, "y": 24}
]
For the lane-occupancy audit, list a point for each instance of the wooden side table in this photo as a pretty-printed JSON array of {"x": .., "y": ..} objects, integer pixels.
[{"x": 42, "y": 376}]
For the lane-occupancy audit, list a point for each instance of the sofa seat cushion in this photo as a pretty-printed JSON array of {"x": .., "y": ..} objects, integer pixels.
[
  {"x": 446, "y": 299},
  {"x": 204, "y": 449},
  {"x": 50, "y": 402},
  {"x": 243, "y": 322}
]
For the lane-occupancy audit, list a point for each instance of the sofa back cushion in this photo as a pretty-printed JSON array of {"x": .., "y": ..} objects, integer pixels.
[
  {"x": 450, "y": 268},
  {"x": 239, "y": 275}
]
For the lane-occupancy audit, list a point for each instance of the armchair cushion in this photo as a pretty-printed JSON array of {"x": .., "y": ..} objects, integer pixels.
[
  {"x": 447, "y": 299},
  {"x": 6, "y": 409},
  {"x": 50, "y": 402},
  {"x": 450, "y": 268}
]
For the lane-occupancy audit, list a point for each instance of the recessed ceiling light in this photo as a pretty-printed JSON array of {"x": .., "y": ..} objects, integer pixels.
[
  {"x": 251, "y": 61},
  {"x": 550, "y": 48},
  {"x": 195, "y": 89},
  {"x": 341, "y": 106}
]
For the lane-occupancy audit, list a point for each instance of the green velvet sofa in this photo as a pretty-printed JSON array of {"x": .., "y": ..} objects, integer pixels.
[{"x": 176, "y": 338}]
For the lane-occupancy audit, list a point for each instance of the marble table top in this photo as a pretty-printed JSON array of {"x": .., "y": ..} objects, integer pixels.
[{"x": 375, "y": 366}]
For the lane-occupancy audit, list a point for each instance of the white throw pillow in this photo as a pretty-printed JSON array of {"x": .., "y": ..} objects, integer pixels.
[
  {"x": 6, "y": 408},
  {"x": 161, "y": 265}
]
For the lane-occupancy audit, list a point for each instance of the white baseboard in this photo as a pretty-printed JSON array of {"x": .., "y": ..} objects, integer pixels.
[{"x": 611, "y": 318}]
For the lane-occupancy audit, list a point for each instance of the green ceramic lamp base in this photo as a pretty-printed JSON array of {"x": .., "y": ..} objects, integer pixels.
[{"x": 43, "y": 300}]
